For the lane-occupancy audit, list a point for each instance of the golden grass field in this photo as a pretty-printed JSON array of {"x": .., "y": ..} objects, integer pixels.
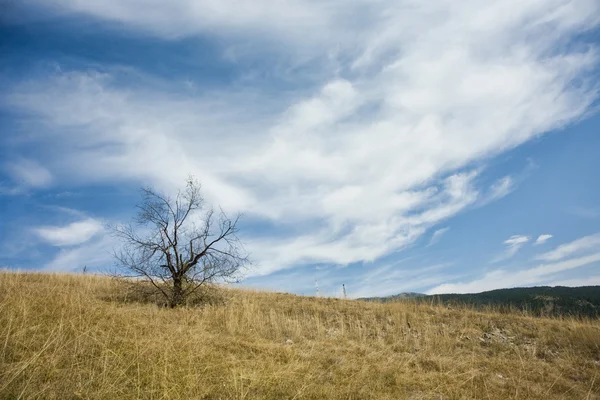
[{"x": 73, "y": 337}]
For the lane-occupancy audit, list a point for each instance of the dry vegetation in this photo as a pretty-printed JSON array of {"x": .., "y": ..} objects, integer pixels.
[{"x": 73, "y": 337}]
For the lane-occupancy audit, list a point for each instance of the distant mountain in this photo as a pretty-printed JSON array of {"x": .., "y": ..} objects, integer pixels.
[
  {"x": 581, "y": 301},
  {"x": 400, "y": 296}
]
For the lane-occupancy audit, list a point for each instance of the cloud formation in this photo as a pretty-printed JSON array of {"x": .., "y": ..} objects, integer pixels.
[
  {"x": 498, "y": 279},
  {"x": 513, "y": 245},
  {"x": 437, "y": 235},
  {"x": 542, "y": 239},
  {"x": 72, "y": 234},
  {"x": 402, "y": 104},
  {"x": 25, "y": 174},
  {"x": 94, "y": 254},
  {"x": 587, "y": 243}
]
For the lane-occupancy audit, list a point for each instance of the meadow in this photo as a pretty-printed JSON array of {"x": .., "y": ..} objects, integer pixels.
[{"x": 78, "y": 337}]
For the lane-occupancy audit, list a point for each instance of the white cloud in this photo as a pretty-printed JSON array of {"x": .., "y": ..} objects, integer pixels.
[
  {"x": 501, "y": 188},
  {"x": 385, "y": 281},
  {"x": 95, "y": 255},
  {"x": 180, "y": 18},
  {"x": 516, "y": 241},
  {"x": 377, "y": 26},
  {"x": 542, "y": 239},
  {"x": 378, "y": 280},
  {"x": 28, "y": 174},
  {"x": 586, "y": 243},
  {"x": 72, "y": 234},
  {"x": 364, "y": 239},
  {"x": 589, "y": 281},
  {"x": 437, "y": 235},
  {"x": 513, "y": 245},
  {"x": 400, "y": 103},
  {"x": 505, "y": 279}
]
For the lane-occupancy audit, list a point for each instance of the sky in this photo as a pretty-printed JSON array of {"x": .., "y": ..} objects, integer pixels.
[{"x": 389, "y": 145}]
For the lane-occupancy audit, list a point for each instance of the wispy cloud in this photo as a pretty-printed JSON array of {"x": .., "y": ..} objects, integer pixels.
[
  {"x": 513, "y": 245},
  {"x": 437, "y": 235},
  {"x": 501, "y": 188},
  {"x": 94, "y": 254},
  {"x": 399, "y": 103},
  {"x": 587, "y": 243},
  {"x": 26, "y": 173},
  {"x": 505, "y": 279},
  {"x": 394, "y": 281},
  {"x": 542, "y": 239},
  {"x": 365, "y": 236},
  {"x": 588, "y": 281},
  {"x": 72, "y": 234},
  {"x": 376, "y": 280}
]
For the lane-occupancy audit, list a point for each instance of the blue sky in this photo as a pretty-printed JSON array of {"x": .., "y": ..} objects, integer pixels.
[{"x": 389, "y": 146}]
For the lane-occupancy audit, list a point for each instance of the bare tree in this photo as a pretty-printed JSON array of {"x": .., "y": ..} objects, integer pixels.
[{"x": 178, "y": 245}]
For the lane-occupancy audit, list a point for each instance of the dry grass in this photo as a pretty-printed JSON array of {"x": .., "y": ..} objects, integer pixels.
[{"x": 69, "y": 337}]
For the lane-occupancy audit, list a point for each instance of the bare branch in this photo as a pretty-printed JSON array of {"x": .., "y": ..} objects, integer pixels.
[{"x": 179, "y": 246}]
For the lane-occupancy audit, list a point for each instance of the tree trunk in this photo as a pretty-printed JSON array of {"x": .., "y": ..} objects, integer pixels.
[{"x": 177, "y": 296}]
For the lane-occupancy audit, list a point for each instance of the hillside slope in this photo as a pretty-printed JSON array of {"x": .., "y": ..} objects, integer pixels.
[{"x": 73, "y": 337}]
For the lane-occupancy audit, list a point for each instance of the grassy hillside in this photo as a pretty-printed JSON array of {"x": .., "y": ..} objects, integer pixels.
[
  {"x": 546, "y": 301},
  {"x": 72, "y": 337}
]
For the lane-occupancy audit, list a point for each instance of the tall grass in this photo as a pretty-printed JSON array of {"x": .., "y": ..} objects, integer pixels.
[{"x": 73, "y": 337}]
